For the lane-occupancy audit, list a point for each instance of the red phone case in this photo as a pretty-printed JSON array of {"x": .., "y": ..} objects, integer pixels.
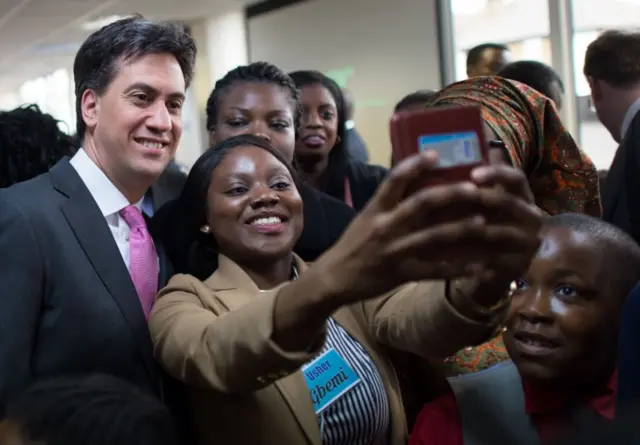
[{"x": 456, "y": 133}]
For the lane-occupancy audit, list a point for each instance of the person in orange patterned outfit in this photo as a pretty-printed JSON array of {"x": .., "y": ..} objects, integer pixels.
[{"x": 561, "y": 176}]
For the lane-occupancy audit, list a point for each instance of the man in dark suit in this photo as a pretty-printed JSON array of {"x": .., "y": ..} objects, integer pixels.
[
  {"x": 78, "y": 268},
  {"x": 612, "y": 69}
]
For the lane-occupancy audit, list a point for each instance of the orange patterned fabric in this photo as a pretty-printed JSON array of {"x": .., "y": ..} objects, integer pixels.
[
  {"x": 476, "y": 358},
  {"x": 561, "y": 176}
]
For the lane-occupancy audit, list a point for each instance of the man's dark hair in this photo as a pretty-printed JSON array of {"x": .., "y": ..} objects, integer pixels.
[
  {"x": 30, "y": 144},
  {"x": 258, "y": 72},
  {"x": 620, "y": 253},
  {"x": 537, "y": 75},
  {"x": 614, "y": 57},
  {"x": 90, "y": 410},
  {"x": 129, "y": 39},
  {"x": 415, "y": 98},
  {"x": 475, "y": 54}
]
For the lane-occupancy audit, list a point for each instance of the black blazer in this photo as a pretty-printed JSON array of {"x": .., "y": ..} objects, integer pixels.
[
  {"x": 364, "y": 180},
  {"x": 621, "y": 195},
  {"x": 325, "y": 219},
  {"x": 168, "y": 186},
  {"x": 68, "y": 303}
]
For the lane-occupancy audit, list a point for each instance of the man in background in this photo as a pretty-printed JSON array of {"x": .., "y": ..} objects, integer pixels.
[
  {"x": 356, "y": 147},
  {"x": 612, "y": 68},
  {"x": 487, "y": 59}
]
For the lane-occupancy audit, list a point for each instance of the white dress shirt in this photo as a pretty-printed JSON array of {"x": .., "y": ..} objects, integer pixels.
[
  {"x": 109, "y": 199},
  {"x": 628, "y": 118}
]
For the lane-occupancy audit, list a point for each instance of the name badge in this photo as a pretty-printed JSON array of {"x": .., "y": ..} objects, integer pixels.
[{"x": 328, "y": 378}]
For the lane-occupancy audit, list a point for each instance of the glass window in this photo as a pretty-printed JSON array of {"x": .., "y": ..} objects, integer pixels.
[
  {"x": 54, "y": 95},
  {"x": 9, "y": 101},
  {"x": 522, "y": 25}
]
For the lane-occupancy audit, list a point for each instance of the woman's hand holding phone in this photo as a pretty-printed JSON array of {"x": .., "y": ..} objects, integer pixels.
[{"x": 410, "y": 234}]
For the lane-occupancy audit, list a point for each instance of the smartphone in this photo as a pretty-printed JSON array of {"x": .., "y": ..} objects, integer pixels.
[{"x": 455, "y": 133}]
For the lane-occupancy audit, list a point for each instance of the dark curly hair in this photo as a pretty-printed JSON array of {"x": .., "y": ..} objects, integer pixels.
[
  {"x": 90, "y": 410},
  {"x": 257, "y": 72},
  {"x": 31, "y": 142}
]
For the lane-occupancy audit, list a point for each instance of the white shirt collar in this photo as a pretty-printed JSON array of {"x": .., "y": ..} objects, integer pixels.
[
  {"x": 628, "y": 117},
  {"x": 109, "y": 199}
]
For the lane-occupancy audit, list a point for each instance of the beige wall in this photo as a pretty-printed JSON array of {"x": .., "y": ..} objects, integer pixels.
[{"x": 382, "y": 49}]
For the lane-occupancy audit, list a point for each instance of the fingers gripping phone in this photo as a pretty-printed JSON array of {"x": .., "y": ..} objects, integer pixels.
[{"x": 455, "y": 133}]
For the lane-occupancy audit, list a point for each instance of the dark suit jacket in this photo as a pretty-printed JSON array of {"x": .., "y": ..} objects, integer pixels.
[
  {"x": 168, "y": 186},
  {"x": 364, "y": 180},
  {"x": 68, "y": 303},
  {"x": 620, "y": 202},
  {"x": 325, "y": 219}
]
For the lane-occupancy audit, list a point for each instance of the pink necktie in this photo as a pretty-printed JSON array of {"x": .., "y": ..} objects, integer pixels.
[{"x": 143, "y": 260}]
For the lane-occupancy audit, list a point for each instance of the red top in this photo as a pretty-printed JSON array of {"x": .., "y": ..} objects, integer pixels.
[{"x": 439, "y": 421}]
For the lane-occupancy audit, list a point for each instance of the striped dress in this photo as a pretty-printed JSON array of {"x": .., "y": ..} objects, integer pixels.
[{"x": 361, "y": 416}]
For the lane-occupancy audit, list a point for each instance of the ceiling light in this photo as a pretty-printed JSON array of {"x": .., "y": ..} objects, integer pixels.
[{"x": 101, "y": 22}]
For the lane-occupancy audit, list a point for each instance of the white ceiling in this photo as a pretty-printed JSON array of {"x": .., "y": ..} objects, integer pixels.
[{"x": 40, "y": 36}]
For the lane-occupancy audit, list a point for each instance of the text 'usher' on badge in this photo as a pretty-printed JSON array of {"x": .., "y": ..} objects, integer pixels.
[
  {"x": 328, "y": 378},
  {"x": 453, "y": 149}
]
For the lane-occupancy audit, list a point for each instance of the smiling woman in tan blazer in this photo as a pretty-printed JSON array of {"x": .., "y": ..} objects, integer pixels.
[{"x": 240, "y": 338}]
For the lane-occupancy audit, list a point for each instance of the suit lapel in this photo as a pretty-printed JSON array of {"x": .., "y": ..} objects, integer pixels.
[
  {"x": 293, "y": 389},
  {"x": 165, "y": 268},
  {"x": 235, "y": 288},
  {"x": 95, "y": 238}
]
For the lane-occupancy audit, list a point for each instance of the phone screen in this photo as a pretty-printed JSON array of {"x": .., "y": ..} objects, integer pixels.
[{"x": 453, "y": 149}]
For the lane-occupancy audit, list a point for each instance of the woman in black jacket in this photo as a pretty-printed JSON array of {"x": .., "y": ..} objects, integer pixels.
[{"x": 321, "y": 153}]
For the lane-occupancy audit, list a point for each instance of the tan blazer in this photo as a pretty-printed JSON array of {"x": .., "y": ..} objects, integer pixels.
[{"x": 244, "y": 389}]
